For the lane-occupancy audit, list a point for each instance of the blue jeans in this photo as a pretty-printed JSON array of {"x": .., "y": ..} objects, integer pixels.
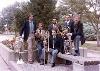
[
  {"x": 39, "y": 50},
  {"x": 53, "y": 56},
  {"x": 76, "y": 44}
]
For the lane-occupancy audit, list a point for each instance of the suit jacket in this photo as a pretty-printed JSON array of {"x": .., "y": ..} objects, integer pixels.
[
  {"x": 50, "y": 27},
  {"x": 26, "y": 29},
  {"x": 71, "y": 25},
  {"x": 78, "y": 30},
  {"x": 57, "y": 42}
]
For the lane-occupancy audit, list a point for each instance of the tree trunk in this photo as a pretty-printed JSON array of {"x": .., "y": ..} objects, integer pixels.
[{"x": 98, "y": 39}]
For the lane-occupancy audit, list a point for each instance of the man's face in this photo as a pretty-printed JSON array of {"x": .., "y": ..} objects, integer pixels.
[
  {"x": 76, "y": 19},
  {"x": 40, "y": 25},
  {"x": 31, "y": 17},
  {"x": 67, "y": 18},
  {"x": 54, "y": 21},
  {"x": 53, "y": 33}
]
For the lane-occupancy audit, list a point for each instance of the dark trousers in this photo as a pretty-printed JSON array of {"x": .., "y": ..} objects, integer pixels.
[{"x": 76, "y": 44}]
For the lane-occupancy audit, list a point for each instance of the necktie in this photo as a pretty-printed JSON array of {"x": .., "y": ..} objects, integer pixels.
[
  {"x": 53, "y": 43},
  {"x": 40, "y": 31},
  {"x": 31, "y": 27},
  {"x": 54, "y": 37}
]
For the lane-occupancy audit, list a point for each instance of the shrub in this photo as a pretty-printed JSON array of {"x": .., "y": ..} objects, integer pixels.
[{"x": 90, "y": 33}]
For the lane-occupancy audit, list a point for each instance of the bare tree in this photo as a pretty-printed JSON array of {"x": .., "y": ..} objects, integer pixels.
[{"x": 89, "y": 11}]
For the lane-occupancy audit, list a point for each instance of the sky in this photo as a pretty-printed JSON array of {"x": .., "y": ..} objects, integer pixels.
[
  {"x": 5, "y": 3},
  {"x": 58, "y": 3}
]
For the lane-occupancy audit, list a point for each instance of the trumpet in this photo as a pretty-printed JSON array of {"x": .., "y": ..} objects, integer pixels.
[
  {"x": 40, "y": 33},
  {"x": 64, "y": 33}
]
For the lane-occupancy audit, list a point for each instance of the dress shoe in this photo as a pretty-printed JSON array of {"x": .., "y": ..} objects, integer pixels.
[
  {"x": 76, "y": 54},
  {"x": 30, "y": 62},
  {"x": 42, "y": 63},
  {"x": 53, "y": 65},
  {"x": 68, "y": 62},
  {"x": 45, "y": 61},
  {"x": 68, "y": 53}
]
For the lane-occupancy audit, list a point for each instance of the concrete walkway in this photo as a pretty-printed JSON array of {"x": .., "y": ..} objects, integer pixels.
[
  {"x": 36, "y": 66},
  {"x": 91, "y": 42},
  {"x": 3, "y": 65}
]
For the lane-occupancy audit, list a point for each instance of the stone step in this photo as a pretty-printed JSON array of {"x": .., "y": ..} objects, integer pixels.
[{"x": 37, "y": 67}]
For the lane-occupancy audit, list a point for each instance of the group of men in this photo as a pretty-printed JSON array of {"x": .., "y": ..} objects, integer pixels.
[{"x": 53, "y": 38}]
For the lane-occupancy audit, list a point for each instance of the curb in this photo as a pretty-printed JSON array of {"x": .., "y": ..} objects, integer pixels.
[{"x": 14, "y": 66}]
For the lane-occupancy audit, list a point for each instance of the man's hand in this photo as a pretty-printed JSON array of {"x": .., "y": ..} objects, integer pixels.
[
  {"x": 45, "y": 42},
  {"x": 20, "y": 38},
  {"x": 69, "y": 34}
]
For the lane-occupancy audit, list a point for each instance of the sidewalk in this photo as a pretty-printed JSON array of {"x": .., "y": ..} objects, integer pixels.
[
  {"x": 6, "y": 37},
  {"x": 91, "y": 42},
  {"x": 37, "y": 66},
  {"x": 3, "y": 65}
]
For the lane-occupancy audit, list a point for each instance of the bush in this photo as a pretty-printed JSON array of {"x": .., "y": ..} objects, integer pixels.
[{"x": 90, "y": 33}]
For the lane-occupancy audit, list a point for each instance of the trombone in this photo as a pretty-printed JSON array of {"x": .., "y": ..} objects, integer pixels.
[{"x": 46, "y": 45}]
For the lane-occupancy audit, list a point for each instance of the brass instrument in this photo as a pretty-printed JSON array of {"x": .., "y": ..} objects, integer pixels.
[
  {"x": 46, "y": 43},
  {"x": 42, "y": 36},
  {"x": 47, "y": 35},
  {"x": 40, "y": 33},
  {"x": 18, "y": 49},
  {"x": 67, "y": 40}
]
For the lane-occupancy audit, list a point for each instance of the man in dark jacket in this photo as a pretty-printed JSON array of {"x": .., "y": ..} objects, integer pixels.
[
  {"x": 69, "y": 23},
  {"x": 54, "y": 26},
  {"x": 28, "y": 29},
  {"x": 78, "y": 34},
  {"x": 55, "y": 44}
]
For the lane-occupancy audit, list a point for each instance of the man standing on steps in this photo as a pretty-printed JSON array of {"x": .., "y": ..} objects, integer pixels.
[
  {"x": 28, "y": 29},
  {"x": 69, "y": 24},
  {"x": 78, "y": 34}
]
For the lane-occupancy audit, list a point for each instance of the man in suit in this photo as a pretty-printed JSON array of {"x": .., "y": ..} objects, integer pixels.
[
  {"x": 68, "y": 23},
  {"x": 55, "y": 44},
  {"x": 28, "y": 29},
  {"x": 54, "y": 26}
]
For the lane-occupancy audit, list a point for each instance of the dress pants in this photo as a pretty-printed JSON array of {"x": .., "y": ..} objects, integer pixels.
[{"x": 30, "y": 41}]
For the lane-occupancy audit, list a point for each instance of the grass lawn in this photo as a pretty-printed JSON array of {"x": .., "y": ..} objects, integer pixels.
[{"x": 91, "y": 46}]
